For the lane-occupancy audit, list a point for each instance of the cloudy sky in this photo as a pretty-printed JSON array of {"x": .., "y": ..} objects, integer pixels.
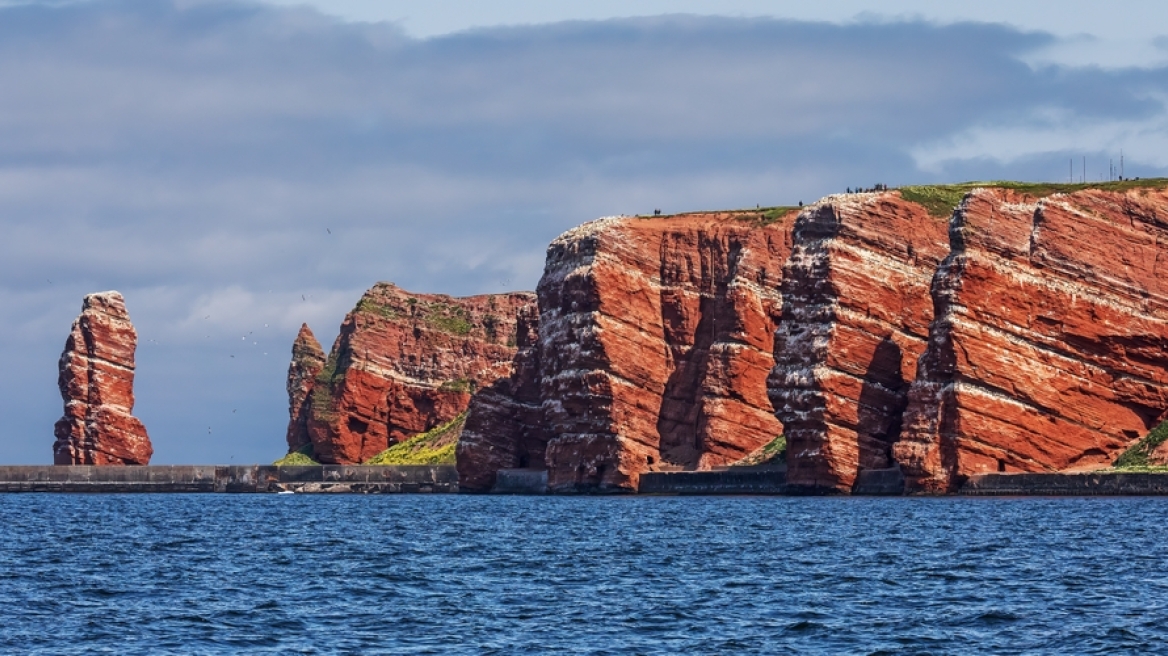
[{"x": 237, "y": 168}]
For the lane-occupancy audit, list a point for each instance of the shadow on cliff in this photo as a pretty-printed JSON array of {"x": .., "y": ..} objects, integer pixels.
[
  {"x": 679, "y": 422},
  {"x": 882, "y": 402}
]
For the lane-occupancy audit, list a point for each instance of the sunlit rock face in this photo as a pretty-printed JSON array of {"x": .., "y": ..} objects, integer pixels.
[
  {"x": 1049, "y": 351},
  {"x": 856, "y": 314},
  {"x": 655, "y": 339},
  {"x": 96, "y": 380},
  {"x": 403, "y": 363}
]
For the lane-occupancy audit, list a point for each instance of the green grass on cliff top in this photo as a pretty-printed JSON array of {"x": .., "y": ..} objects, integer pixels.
[
  {"x": 758, "y": 216},
  {"x": 940, "y": 200},
  {"x": 434, "y": 447}
]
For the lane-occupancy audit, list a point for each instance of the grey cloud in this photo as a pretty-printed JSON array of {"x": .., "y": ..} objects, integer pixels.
[{"x": 240, "y": 157}]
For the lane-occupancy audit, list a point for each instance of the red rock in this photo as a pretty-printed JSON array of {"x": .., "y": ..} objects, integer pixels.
[
  {"x": 1050, "y": 348},
  {"x": 655, "y": 342},
  {"x": 405, "y": 363},
  {"x": 856, "y": 313},
  {"x": 96, "y": 379},
  {"x": 504, "y": 426},
  {"x": 307, "y": 361}
]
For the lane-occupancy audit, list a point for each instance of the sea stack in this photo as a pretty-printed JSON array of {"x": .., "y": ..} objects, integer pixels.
[
  {"x": 96, "y": 379},
  {"x": 308, "y": 359}
]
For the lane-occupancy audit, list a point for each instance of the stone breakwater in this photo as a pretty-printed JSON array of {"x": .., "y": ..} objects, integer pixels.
[{"x": 231, "y": 479}]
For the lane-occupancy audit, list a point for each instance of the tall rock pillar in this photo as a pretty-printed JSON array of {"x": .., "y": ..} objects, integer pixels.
[{"x": 96, "y": 379}]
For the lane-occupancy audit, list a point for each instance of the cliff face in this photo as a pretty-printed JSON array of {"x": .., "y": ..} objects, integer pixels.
[
  {"x": 655, "y": 341},
  {"x": 96, "y": 380},
  {"x": 504, "y": 425},
  {"x": 308, "y": 360},
  {"x": 403, "y": 364},
  {"x": 856, "y": 313},
  {"x": 1050, "y": 347}
]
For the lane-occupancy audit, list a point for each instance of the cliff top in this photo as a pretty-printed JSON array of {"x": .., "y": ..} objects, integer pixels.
[
  {"x": 940, "y": 200},
  {"x": 758, "y": 216}
]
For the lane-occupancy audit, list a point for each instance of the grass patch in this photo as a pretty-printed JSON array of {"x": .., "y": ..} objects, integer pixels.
[
  {"x": 321, "y": 396},
  {"x": 772, "y": 453},
  {"x": 762, "y": 216},
  {"x": 940, "y": 200},
  {"x": 1136, "y": 457},
  {"x": 457, "y": 385},
  {"x": 369, "y": 306},
  {"x": 449, "y": 318},
  {"x": 434, "y": 447},
  {"x": 301, "y": 456}
]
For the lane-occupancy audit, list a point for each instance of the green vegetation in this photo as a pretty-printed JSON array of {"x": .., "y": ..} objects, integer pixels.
[
  {"x": 434, "y": 447},
  {"x": 457, "y": 385},
  {"x": 322, "y": 392},
  {"x": 301, "y": 456},
  {"x": 759, "y": 217},
  {"x": 940, "y": 200},
  {"x": 769, "y": 215},
  {"x": 448, "y": 317},
  {"x": 773, "y": 453},
  {"x": 370, "y": 306},
  {"x": 1136, "y": 457}
]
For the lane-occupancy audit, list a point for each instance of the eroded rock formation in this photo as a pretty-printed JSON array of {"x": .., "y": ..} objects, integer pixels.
[
  {"x": 403, "y": 364},
  {"x": 856, "y": 313},
  {"x": 308, "y": 360},
  {"x": 655, "y": 341},
  {"x": 1050, "y": 346},
  {"x": 96, "y": 379}
]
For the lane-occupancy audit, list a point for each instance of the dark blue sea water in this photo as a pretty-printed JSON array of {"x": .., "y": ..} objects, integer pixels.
[{"x": 227, "y": 574}]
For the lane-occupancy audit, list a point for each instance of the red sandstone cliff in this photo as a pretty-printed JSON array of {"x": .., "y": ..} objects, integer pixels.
[
  {"x": 1050, "y": 346},
  {"x": 403, "y": 364},
  {"x": 96, "y": 379},
  {"x": 308, "y": 360},
  {"x": 504, "y": 425},
  {"x": 655, "y": 341},
  {"x": 856, "y": 313}
]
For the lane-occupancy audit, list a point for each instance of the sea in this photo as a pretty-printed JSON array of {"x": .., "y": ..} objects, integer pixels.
[{"x": 458, "y": 574}]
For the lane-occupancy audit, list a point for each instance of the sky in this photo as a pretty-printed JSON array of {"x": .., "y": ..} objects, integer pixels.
[{"x": 237, "y": 168}]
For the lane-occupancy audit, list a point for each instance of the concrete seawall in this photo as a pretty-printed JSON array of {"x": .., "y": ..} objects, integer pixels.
[
  {"x": 367, "y": 479},
  {"x": 231, "y": 479},
  {"x": 737, "y": 481},
  {"x": 1081, "y": 485}
]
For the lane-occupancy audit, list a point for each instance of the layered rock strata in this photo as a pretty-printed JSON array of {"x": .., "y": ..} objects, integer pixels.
[
  {"x": 308, "y": 359},
  {"x": 96, "y": 380},
  {"x": 855, "y": 318},
  {"x": 655, "y": 341},
  {"x": 1049, "y": 351},
  {"x": 403, "y": 364}
]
